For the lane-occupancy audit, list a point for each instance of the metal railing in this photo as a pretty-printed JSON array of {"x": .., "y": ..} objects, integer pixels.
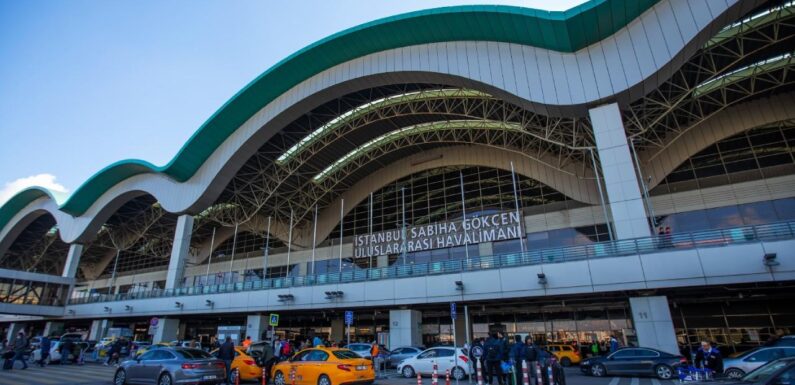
[{"x": 657, "y": 244}]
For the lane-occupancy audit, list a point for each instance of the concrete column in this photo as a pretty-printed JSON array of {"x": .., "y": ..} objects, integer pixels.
[
  {"x": 337, "y": 330},
  {"x": 72, "y": 260},
  {"x": 52, "y": 328},
  {"x": 179, "y": 251},
  {"x": 99, "y": 327},
  {"x": 13, "y": 329},
  {"x": 167, "y": 330},
  {"x": 256, "y": 325},
  {"x": 460, "y": 330},
  {"x": 405, "y": 328},
  {"x": 618, "y": 170},
  {"x": 653, "y": 324}
]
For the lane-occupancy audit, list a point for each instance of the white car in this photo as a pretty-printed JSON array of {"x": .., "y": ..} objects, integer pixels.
[
  {"x": 445, "y": 357},
  {"x": 739, "y": 366}
]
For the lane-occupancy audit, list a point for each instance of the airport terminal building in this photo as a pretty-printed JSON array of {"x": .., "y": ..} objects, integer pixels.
[{"x": 621, "y": 168}]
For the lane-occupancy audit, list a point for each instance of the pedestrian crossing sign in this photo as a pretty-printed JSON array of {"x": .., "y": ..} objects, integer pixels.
[{"x": 274, "y": 319}]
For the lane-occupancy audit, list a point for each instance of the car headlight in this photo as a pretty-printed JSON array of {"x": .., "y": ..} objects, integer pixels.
[{"x": 586, "y": 362}]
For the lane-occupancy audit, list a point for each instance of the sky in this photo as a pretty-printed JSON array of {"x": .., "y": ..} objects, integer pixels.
[{"x": 84, "y": 84}]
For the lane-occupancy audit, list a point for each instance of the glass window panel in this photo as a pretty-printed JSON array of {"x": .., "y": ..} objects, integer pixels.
[{"x": 785, "y": 208}]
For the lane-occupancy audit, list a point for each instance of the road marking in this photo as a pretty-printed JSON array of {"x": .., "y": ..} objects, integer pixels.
[
  {"x": 615, "y": 381},
  {"x": 655, "y": 381},
  {"x": 635, "y": 381}
]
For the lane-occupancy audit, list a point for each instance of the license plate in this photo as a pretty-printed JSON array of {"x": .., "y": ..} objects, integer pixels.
[
  {"x": 209, "y": 377},
  {"x": 361, "y": 367}
]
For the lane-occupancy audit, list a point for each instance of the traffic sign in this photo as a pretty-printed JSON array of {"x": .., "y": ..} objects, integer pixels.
[
  {"x": 348, "y": 317},
  {"x": 274, "y": 319},
  {"x": 453, "y": 313},
  {"x": 477, "y": 351},
  {"x": 153, "y": 321}
]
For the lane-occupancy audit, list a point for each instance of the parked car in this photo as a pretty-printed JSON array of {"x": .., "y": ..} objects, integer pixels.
[
  {"x": 166, "y": 366},
  {"x": 565, "y": 353},
  {"x": 454, "y": 359},
  {"x": 787, "y": 340},
  {"x": 744, "y": 363},
  {"x": 245, "y": 364},
  {"x": 634, "y": 361},
  {"x": 73, "y": 336},
  {"x": 404, "y": 352},
  {"x": 56, "y": 355},
  {"x": 778, "y": 372},
  {"x": 324, "y": 366},
  {"x": 364, "y": 349}
]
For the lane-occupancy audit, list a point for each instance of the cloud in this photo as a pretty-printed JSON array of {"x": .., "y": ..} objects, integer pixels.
[{"x": 42, "y": 180}]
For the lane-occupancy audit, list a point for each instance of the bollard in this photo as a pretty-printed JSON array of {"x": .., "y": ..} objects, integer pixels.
[
  {"x": 447, "y": 377},
  {"x": 551, "y": 377},
  {"x": 539, "y": 379},
  {"x": 480, "y": 372},
  {"x": 419, "y": 378},
  {"x": 292, "y": 375},
  {"x": 264, "y": 382},
  {"x": 525, "y": 377},
  {"x": 435, "y": 375},
  {"x": 237, "y": 377}
]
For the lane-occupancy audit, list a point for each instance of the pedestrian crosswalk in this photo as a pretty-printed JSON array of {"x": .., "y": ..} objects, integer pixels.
[{"x": 89, "y": 374}]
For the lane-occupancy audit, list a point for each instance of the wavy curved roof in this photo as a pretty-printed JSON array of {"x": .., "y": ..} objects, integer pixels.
[{"x": 565, "y": 31}]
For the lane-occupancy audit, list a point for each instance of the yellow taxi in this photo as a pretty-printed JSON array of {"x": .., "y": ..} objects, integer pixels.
[
  {"x": 245, "y": 364},
  {"x": 324, "y": 366},
  {"x": 565, "y": 353}
]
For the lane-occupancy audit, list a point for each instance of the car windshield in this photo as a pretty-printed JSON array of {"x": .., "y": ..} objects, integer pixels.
[
  {"x": 762, "y": 373},
  {"x": 747, "y": 353},
  {"x": 345, "y": 354},
  {"x": 193, "y": 354}
]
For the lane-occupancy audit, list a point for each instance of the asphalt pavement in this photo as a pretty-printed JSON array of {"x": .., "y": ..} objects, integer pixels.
[{"x": 96, "y": 374}]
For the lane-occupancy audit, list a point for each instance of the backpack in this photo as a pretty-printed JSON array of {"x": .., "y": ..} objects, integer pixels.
[
  {"x": 492, "y": 353},
  {"x": 286, "y": 349}
]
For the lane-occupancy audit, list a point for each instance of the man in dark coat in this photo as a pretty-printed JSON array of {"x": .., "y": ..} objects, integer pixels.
[
  {"x": 493, "y": 354},
  {"x": 708, "y": 357},
  {"x": 44, "y": 348},
  {"x": 226, "y": 353}
]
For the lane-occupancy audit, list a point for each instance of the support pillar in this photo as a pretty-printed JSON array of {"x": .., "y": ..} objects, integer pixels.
[
  {"x": 256, "y": 326},
  {"x": 405, "y": 328},
  {"x": 167, "y": 330},
  {"x": 337, "y": 330},
  {"x": 99, "y": 327},
  {"x": 13, "y": 329},
  {"x": 179, "y": 251},
  {"x": 618, "y": 170},
  {"x": 72, "y": 260},
  {"x": 653, "y": 324},
  {"x": 53, "y": 328},
  {"x": 460, "y": 330}
]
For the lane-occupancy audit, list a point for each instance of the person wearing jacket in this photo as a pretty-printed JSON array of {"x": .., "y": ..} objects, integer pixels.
[
  {"x": 44, "y": 348},
  {"x": 613, "y": 344},
  {"x": 226, "y": 353},
  {"x": 708, "y": 357},
  {"x": 493, "y": 355},
  {"x": 518, "y": 354},
  {"x": 19, "y": 346}
]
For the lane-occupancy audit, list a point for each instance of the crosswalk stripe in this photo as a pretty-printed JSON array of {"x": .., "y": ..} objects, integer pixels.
[
  {"x": 635, "y": 381},
  {"x": 615, "y": 380}
]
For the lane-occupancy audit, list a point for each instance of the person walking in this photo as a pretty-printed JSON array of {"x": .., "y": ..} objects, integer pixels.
[
  {"x": 594, "y": 349},
  {"x": 613, "y": 344},
  {"x": 19, "y": 346},
  {"x": 531, "y": 356},
  {"x": 247, "y": 342},
  {"x": 44, "y": 347},
  {"x": 113, "y": 353},
  {"x": 518, "y": 354},
  {"x": 277, "y": 349},
  {"x": 226, "y": 353},
  {"x": 710, "y": 358},
  {"x": 493, "y": 353},
  {"x": 317, "y": 341},
  {"x": 66, "y": 350}
]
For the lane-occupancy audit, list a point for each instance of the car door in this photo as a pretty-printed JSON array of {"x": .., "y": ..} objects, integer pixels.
[
  {"x": 787, "y": 377},
  {"x": 136, "y": 371},
  {"x": 620, "y": 361},
  {"x": 152, "y": 367},
  {"x": 397, "y": 356},
  {"x": 297, "y": 366},
  {"x": 445, "y": 360},
  {"x": 314, "y": 364},
  {"x": 424, "y": 362},
  {"x": 644, "y": 361},
  {"x": 758, "y": 358}
]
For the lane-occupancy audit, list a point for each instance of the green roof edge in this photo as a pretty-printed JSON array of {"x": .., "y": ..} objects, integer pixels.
[{"x": 339, "y": 48}]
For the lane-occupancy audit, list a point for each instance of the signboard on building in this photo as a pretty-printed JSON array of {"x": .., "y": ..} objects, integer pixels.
[{"x": 486, "y": 228}]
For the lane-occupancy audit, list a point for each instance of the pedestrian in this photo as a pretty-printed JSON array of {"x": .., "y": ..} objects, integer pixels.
[
  {"x": 374, "y": 351},
  {"x": 613, "y": 344},
  {"x": 493, "y": 353},
  {"x": 710, "y": 358},
  {"x": 44, "y": 347},
  {"x": 594, "y": 349},
  {"x": 247, "y": 342},
  {"x": 277, "y": 349},
  {"x": 317, "y": 341},
  {"x": 66, "y": 350},
  {"x": 19, "y": 346},
  {"x": 226, "y": 353},
  {"x": 531, "y": 356},
  {"x": 286, "y": 350},
  {"x": 518, "y": 354},
  {"x": 113, "y": 353}
]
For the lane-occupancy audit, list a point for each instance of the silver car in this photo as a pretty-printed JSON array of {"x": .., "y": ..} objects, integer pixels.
[
  {"x": 168, "y": 366},
  {"x": 744, "y": 363},
  {"x": 402, "y": 353}
]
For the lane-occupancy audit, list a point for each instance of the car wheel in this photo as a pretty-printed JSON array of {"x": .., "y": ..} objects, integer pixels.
[
  {"x": 565, "y": 361},
  {"x": 120, "y": 378},
  {"x": 598, "y": 370},
  {"x": 323, "y": 380},
  {"x": 165, "y": 379},
  {"x": 278, "y": 378},
  {"x": 458, "y": 373},
  {"x": 408, "y": 372},
  {"x": 734, "y": 373},
  {"x": 664, "y": 372}
]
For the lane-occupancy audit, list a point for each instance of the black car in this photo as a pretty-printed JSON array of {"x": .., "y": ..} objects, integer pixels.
[
  {"x": 778, "y": 372},
  {"x": 634, "y": 361}
]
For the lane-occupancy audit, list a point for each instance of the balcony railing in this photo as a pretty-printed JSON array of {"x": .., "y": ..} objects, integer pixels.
[{"x": 657, "y": 244}]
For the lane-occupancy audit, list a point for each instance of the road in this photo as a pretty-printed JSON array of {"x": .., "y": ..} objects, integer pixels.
[{"x": 95, "y": 374}]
